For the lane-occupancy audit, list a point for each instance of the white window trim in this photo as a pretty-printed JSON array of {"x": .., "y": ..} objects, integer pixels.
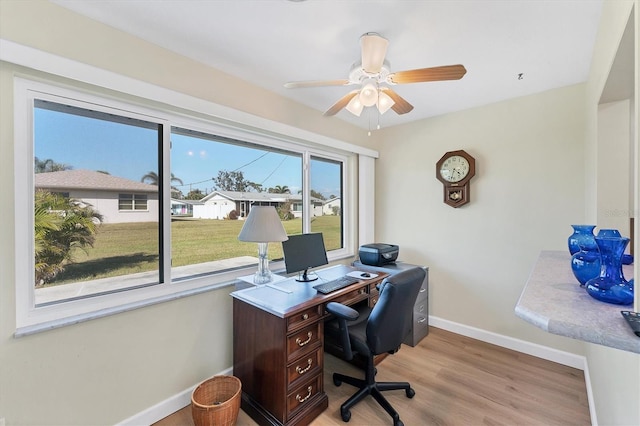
[{"x": 30, "y": 319}]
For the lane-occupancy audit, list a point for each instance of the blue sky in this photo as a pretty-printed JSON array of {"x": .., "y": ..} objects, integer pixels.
[{"x": 131, "y": 152}]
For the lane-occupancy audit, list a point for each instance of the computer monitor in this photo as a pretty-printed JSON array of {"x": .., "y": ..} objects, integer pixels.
[{"x": 302, "y": 252}]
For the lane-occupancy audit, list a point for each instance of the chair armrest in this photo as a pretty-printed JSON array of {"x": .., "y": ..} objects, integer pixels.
[
  {"x": 343, "y": 314},
  {"x": 342, "y": 311}
]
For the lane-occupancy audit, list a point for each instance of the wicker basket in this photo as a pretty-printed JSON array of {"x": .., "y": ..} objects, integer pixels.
[{"x": 216, "y": 401}]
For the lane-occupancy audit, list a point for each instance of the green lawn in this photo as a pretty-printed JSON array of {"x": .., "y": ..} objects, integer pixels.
[{"x": 125, "y": 248}]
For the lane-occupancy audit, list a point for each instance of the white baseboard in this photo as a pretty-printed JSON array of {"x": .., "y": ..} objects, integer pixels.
[
  {"x": 166, "y": 407},
  {"x": 592, "y": 404},
  {"x": 182, "y": 399},
  {"x": 544, "y": 352}
]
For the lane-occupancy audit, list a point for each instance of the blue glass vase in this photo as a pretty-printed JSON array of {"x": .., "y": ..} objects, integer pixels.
[
  {"x": 585, "y": 264},
  {"x": 582, "y": 237},
  {"x": 610, "y": 286}
]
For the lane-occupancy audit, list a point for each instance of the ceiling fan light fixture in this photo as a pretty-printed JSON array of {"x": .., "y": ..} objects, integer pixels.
[
  {"x": 355, "y": 106},
  {"x": 384, "y": 102},
  {"x": 368, "y": 95}
]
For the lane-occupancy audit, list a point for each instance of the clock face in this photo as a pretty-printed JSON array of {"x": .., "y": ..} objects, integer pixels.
[{"x": 454, "y": 168}]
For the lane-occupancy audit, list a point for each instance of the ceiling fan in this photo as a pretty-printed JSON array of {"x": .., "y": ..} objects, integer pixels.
[{"x": 372, "y": 75}]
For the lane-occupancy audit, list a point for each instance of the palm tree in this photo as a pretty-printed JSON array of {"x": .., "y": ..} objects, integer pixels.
[
  {"x": 61, "y": 225},
  {"x": 48, "y": 165},
  {"x": 153, "y": 179},
  {"x": 280, "y": 189}
]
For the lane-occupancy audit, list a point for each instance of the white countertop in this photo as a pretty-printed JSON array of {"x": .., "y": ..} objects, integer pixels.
[{"x": 553, "y": 300}]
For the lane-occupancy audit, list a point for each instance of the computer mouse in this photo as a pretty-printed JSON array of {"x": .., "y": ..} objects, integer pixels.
[{"x": 365, "y": 275}]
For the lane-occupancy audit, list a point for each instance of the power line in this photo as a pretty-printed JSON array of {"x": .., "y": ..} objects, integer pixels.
[
  {"x": 251, "y": 162},
  {"x": 274, "y": 170}
]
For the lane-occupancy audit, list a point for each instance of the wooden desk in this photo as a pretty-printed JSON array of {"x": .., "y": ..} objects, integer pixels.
[{"x": 278, "y": 340}]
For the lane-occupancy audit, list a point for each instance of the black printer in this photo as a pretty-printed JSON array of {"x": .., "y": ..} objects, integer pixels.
[{"x": 378, "y": 254}]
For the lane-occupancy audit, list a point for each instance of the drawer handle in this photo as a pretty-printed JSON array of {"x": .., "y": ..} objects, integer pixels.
[
  {"x": 301, "y": 399},
  {"x": 305, "y": 317},
  {"x": 304, "y": 370},
  {"x": 301, "y": 343},
  {"x": 422, "y": 290},
  {"x": 421, "y": 320}
]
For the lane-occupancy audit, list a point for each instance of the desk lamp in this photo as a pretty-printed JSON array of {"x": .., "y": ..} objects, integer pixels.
[{"x": 263, "y": 226}]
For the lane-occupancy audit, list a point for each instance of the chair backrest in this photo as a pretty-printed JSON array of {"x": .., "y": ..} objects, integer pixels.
[{"x": 391, "y": 317}]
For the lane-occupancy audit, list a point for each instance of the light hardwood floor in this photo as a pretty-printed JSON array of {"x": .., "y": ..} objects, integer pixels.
[{"x": 458, "y": 381}]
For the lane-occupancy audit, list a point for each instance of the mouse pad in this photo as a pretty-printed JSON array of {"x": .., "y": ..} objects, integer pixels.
[{"x": 358, "y": 274}]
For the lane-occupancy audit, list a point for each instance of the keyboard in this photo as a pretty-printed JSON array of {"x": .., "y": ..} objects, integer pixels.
[{"x": 334, "y": 285}]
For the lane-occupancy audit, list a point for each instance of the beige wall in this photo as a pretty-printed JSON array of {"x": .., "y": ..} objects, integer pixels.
[
  {"x": 106, "y": 370},
  {"x": 613, "y": 161}
]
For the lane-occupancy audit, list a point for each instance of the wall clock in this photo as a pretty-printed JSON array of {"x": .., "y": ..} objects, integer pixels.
[{"x": 455, "y": 170}]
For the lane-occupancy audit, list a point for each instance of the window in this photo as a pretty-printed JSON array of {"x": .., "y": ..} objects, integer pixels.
[
  {"x": 152, "y": 202},
  {"x": 225, "y": 177},
  {"x": 132, "y": 202},
  {"x": 326, "y": 200}
]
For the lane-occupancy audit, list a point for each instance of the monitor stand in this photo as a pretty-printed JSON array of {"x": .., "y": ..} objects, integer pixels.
[{"x": 305, "y": 278}]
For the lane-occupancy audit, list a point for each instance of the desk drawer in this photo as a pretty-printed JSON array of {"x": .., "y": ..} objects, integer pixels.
[
  {"x": 305, "y": 367},
  {"x": 374, "y": 294},
  {"x": 305, "y": 317},
  {"x": 352, "y": 297},
  {"x": 304, "y": 395},
  {"x": 303, "y": 341}
]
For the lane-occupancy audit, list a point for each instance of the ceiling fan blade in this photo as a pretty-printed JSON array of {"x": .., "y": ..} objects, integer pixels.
[
  {"x": 315, "y": 83},
  {"x": 447, "y": 72},
  {"x": 342, "y": 102},
  {"x": 374, "y": 49},
  {"x": 401, "y": 106}
]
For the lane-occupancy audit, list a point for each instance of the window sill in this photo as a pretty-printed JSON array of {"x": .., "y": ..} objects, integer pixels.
[{"x": 76, "y": 319}]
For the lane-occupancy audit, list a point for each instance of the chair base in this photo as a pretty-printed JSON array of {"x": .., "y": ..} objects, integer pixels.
[{"x": 369, "y": 386}]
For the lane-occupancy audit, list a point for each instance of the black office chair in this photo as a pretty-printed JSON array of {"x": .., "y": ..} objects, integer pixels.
[{"x": 374, "y": 331}]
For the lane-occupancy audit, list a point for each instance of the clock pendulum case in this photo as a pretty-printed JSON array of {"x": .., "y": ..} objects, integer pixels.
[{"x": 455, "y": 170}]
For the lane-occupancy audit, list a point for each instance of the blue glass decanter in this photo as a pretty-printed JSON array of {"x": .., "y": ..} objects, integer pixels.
[
  {"x": 627, "y": 259},
  {"x": 611, "y": 286},
  {"x": 609, "y": 233}
]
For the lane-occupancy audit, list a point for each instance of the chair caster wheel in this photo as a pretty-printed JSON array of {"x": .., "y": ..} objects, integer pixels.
[
  {"x": 398, "y": 423},
  {"x": 410, "y": 393},
  {"x": 337, "y": 382},
  {"x": 345, "y": 414}
]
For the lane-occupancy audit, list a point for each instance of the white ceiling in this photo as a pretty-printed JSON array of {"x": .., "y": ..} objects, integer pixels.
[{"x": 270, "y": 42}]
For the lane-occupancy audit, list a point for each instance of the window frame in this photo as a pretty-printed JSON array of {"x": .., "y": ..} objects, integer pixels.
[{"x": 31, "y": 319}]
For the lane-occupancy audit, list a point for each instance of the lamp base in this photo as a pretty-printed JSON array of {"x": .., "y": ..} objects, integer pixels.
[
  {"x": 263, "y": 275},
  {"x": 262, "y": 278}
]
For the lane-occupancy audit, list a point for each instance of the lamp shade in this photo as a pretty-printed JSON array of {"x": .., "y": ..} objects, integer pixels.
[
  {"x": 355, "y": 106},
  {"x": 384, "y": 102},
  {"x": 369, "y": 95},
  {"x": 263, "y": 225}
]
